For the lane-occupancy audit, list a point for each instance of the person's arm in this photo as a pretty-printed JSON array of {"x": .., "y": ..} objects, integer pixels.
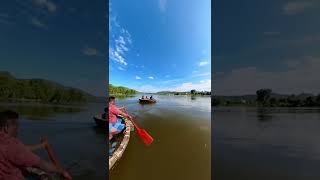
[
  {"x": 49, "y": 167},
  {"x": 35, "y": 147}
]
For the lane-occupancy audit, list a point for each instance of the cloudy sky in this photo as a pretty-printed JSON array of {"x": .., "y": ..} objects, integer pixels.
[
  {"x": 63, "y": 41},
  {"x": 159, "y": 45},
  {"x": 266, "y": 44}
]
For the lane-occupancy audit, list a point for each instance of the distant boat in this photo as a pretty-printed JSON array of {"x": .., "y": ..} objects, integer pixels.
[
  {"x": 147, "y": 101},
  {"x": 100, "y": 121}
]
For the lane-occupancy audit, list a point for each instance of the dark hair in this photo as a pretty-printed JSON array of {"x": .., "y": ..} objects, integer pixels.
[
  {"x": 112, "y": 98},
  {"x": 7, "y": 115},
  {"x": 106, "y": 109}
]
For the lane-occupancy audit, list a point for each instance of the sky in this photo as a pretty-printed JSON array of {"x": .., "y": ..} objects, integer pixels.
[
  {"x": 62, "y": 41},
  {"x": 266, "y": 44},
  {"x": 157, "y": 45}
]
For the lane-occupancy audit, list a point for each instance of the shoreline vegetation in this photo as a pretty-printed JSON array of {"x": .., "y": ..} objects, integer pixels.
[
  {"x": 40, "y": 91},
  {"x": 266, "y": 98},
  {"x": 120, "y": 91}
]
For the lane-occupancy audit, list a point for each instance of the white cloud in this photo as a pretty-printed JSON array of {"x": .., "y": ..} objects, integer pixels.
[
  {"x": 37, "y": 23},
  {"x": 147, "y": 89},
  {"x": 116, "y": 56},
  {"x": 201, "y": 74},
  {"x": 203, "y": 63},
  {"x": 204, "y": 85},
  {"x": 48, "y": 5},
  {"x": 137, "y": 77},
  {"x": 292, "y": 8},
  {"x": 163, "y": 5},
  {"x": 301, "y": 76},
  {"x": 151, "y": 77},
  {"x": 90, "y": 51},
  {"x": 120, "y": 41},
  {"x": 120, "y": 68}
]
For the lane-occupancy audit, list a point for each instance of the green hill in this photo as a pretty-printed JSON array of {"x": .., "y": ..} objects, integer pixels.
[
  {"x": 38, "y": 90},
  {"x": 120, "y": 90}
]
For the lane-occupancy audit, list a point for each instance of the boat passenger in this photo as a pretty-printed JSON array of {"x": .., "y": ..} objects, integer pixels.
[
  {"x": 142, "y": 97},
  {"x": 15, "y": 156},
  {"x": 115, "y": 125},
  {"x": 147, "y": 97},
  {"x": 104, "y": 115},
  {"x": 151, "y": 98}
]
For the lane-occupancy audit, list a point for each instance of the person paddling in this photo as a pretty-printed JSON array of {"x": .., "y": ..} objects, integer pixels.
[
  {"x": 15, "y": 156},
  {"x": 115, "y": 125}
]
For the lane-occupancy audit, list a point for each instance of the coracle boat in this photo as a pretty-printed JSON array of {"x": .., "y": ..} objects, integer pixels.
[
  {"x": 121, "y": 140},
  {"x": 147, "y": 101},
  {"x": 100, "y": 121},
  {"x": 35, "y": 173}
]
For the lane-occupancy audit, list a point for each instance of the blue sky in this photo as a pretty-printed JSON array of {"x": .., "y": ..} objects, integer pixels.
[
  {"x": 63, "y": 41},
  {"x": 160, "y": 45},
  {"x": 266, "y": 44}
]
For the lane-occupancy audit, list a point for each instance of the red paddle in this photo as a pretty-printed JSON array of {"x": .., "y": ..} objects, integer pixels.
[
  {"x": 144, "y": 136},
  {"x": 51, "y": 155}
]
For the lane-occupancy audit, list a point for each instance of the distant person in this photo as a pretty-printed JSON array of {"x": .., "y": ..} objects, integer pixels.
[
  {"x": 147, "y": 97},
  {"x": 15, "y": 156},
  {"x": 142, "y": 97},
  {"x": 104, "y": 115},
  {"x": 151, "y": 97},
  {"x": 115, "y": 125}
]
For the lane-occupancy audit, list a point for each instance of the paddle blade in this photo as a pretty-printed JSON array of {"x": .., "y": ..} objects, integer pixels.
[{"x": 145, "y": 137}]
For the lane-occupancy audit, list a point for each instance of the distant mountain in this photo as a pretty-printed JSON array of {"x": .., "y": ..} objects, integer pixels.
[{"x": 39, "y": 90}]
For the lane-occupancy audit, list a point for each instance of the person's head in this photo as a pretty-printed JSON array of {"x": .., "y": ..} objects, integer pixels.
[
  {"x": 112, "y": 100},
  {"x": 9, "y": 122}
]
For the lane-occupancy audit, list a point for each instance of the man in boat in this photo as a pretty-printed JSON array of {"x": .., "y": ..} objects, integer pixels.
[
  {"x": 115, "y": 125},
  {"x": 15, "y": 156},
  {"x": 142, "y": 97},
  {"x": 151, "y": 98}
]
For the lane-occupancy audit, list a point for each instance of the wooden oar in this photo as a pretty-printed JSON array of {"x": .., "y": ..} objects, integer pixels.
[
  {"x": 52, "y": 156},
  {"x": 144, "y": 136}
]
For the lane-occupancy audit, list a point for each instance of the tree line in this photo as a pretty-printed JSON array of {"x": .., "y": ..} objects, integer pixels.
[
  {"x": 265, "y": 98},
  {"x": 120, "y": 90},
  {"x": 12, "y": 89}
]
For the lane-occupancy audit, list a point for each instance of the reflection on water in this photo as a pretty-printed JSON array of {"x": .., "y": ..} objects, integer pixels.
[
  {"x": 266, "y": 143},
  {"x": 181, "y": 130},
  {"x": 79, "y": 145}
]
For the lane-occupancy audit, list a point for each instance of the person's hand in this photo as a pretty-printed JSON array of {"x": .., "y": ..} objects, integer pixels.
[
  {"x": 66, "y": 175},
  {"x": 44, "y": 141}
]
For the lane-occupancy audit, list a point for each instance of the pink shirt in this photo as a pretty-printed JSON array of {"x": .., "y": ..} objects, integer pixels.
[
  {"x": 113, "y": 113},
  {"x": 14, "y": 158}
]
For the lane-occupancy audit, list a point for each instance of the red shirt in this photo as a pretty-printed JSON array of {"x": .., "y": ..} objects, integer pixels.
[
  {"x": 14, "y": 157},
  {"x": 113, "y": 113}
]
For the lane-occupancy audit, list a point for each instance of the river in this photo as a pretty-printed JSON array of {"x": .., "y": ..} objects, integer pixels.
[
  {"x": 181, "y": 128},
  {"x": 265, "y": 144},
  {"x": 79, "y": 145}
]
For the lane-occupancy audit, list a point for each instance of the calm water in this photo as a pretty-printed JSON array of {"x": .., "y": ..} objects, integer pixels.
[
  {"x": 78, "y": 144},
  {"x": 265, "y": 144},
  {"x": 181, "y": 130}
]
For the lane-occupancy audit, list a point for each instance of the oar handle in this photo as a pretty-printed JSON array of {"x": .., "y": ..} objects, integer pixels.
[
  {"x": 51, "y": 155},
  {"x": 134, "y": 124}
]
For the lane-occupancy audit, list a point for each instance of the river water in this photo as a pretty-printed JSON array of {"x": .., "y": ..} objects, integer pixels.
[
  {"x": 181, "y": 128},
  {"x": 79, "y": 145},
  {"x": 265, "y": 144}
]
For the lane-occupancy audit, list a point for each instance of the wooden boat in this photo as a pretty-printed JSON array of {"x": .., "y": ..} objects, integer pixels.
[
  {"x": 122, "y": 140},
  {"x": 147, "y": 101},
  {"x": 100, "y": 121},
  {"x": 39, "y": 174}
]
